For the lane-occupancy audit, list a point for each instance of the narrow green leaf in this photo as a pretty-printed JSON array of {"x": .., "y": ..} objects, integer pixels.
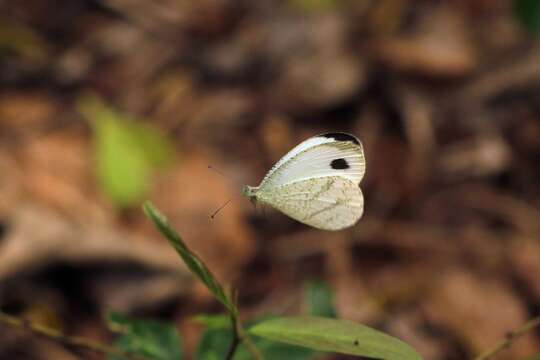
[
  {"x": 331, "y": 335},
  {"x": 528, "y": 13},
  {"x": 148, "y": 338},
  {"x": 195, "y": 264},
  {"x": 319, "y": 299}
]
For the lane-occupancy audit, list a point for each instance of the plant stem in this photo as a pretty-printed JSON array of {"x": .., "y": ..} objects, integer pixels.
[
  {"x": 240, "y": 336},
  {"x": 250, "y": 346},
  {"x": 235, "y": 339},
  {"x": 76, "y": 341},
  {"x": 509, "y": 339}
]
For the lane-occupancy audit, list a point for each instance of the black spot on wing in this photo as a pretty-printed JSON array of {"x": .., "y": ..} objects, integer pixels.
[
  {"x": 339, "y": 164},
  {"x": 342, "y": 137}
]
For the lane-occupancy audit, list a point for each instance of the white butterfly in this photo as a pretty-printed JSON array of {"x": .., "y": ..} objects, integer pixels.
[{"x": 317, "y": 182}]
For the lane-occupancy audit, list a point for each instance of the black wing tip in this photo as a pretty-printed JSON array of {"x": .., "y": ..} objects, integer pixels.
[{"x": 342, "y": 137}]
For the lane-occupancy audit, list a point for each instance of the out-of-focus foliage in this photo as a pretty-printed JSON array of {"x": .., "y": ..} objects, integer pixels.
[
  {"x": 148, "y": 338},
  {"x": 319, "y": 299},
  {"x": 528, "y": 13},
  {"x": 217, "y": 334},
  {"x": 126, "y": 152}
]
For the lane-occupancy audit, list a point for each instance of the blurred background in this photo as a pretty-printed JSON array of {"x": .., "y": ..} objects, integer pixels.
[{"x": 106, "y": 103}]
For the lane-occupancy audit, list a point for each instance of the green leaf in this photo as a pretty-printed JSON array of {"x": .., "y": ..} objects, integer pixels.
[
  {"x": 195, "y": 264},
  {"x": 319, "y": 299},
  {"x": 340, "y": 336},
  {"x": 148, "y": 338},
  {"x": 217, "y": 337},
  {"x": 528, "y": 13},
  {"x": 126, "y": 152}
]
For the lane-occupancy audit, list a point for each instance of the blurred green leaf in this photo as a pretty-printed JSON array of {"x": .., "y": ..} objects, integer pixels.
[
  {"x": 126, "y": 152},
  {"x": 319, "y": 299},
  {"x": 528, "y": 13},
  {"x": 214, "y": 343},
  {"x": 149, "y": 338},
  {"x": 217, "y": 337},
  {"x": 195, "y": 264},
  {"x": 331, "y": 335}
]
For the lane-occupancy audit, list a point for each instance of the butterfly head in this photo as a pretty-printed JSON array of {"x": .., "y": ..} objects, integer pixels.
[{"x": 250, "y": 192}]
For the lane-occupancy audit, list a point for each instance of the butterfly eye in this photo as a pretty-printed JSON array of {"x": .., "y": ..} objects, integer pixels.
[{"x": 339, "y": 164}]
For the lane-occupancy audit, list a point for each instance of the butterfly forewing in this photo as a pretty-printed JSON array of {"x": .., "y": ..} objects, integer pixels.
[{"x": 316, "y": 157}]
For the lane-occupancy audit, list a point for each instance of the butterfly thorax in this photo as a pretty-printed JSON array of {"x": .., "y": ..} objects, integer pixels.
[{"x": 250, "y": 192}]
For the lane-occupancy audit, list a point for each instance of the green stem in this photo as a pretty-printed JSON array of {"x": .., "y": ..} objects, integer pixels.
[
  {"x": 250, "y": 346},
  {"x": 509, "y": 339},
  {"x": 76, "y": 341},
  {"x": 235, "y": 341},
  {"x": 240, "y": 336}
]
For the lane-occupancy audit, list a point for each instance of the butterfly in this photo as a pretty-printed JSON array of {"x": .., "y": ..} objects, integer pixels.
[{"x": 317, "y": 182}]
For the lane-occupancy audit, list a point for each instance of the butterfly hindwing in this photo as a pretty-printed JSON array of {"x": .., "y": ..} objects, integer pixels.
[{"x": 328, "y": 203}]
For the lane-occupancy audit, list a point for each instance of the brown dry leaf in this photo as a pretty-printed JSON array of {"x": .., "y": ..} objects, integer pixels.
[
  {"x": 409, "y": 326},
  {"x": 484, "y": 156},
  {"x": 294, "y": 247},
  {"x": 525, "y": 256},
  {"x": 440, "y": 47},
  {"x": 320, "y": 71},
  {"x": 167, "y": 17},
  {"x": 57, "y": 172},
  {"x": 225, "y": 109},
  {"x": 479, "y": 311},
  {"x": 351, "y": 301},
  {"x": 10, "y": 188},
  {"x": 38, "y": 237},
  {"x": 188, "y": 194},
  {"x": 221, "y": 111},
  {"x": 23, "y": 112},
  {"x": 277, "y": 136}
]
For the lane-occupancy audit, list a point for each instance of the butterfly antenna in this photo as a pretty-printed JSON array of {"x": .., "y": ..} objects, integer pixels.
[
  {"x": 219, "y": 209},
  {"x": 216, "y": 171},
  {"x": 229, "y": 180}
]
